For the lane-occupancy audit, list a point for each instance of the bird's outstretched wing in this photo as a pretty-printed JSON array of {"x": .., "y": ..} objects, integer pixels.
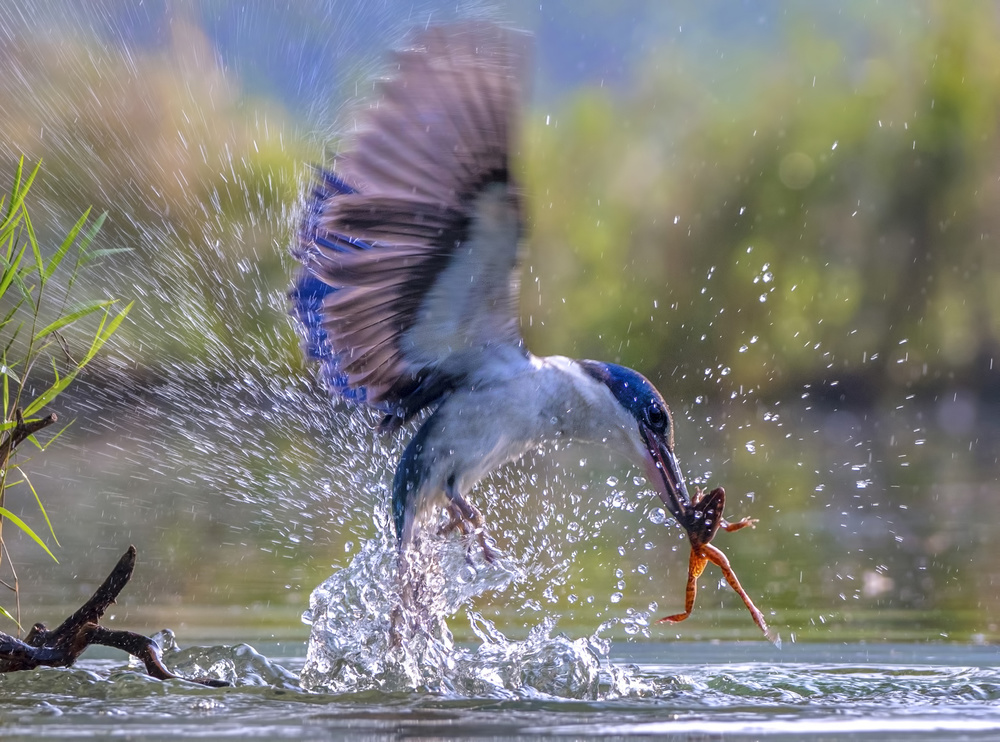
[{"x": 410, "y": 250}]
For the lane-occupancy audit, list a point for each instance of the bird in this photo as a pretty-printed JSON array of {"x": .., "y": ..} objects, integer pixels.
[{"x": 410, "y": 247}]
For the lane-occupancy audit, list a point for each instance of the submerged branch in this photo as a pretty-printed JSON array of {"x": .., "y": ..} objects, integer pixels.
[{"x": 62, "y": 646}]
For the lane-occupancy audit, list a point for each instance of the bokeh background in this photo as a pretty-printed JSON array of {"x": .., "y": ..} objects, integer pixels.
[{"x": 784, "y": 214}]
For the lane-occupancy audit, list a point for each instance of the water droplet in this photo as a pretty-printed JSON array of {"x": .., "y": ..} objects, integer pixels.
[
  {"x": 751, "y": 446},
  {"x": 612, "y": 481},
  {"x": 467, "y": 574},
  {"x": 640, "y": 481},
  {"x": 642, "y": 569},
  {"x": 616, "y": 597},
  {"x": 657, "y": 516}
]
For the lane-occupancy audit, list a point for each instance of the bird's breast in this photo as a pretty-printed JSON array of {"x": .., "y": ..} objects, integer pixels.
[{"x": 513, "y": 409}]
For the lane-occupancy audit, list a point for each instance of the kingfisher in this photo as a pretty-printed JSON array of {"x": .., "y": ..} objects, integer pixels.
[{"x": 410, "y": 245}]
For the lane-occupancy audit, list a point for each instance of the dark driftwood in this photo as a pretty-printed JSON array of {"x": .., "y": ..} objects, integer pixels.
[
  {"x": 63, "y": 645},
  {"x": 20, "y": 433}
]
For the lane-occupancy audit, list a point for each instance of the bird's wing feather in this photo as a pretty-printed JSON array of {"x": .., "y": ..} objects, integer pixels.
[{"x": 410, "y": 250}]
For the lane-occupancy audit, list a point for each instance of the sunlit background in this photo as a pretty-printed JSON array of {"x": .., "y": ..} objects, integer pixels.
[{"x": 783, "y": 214}]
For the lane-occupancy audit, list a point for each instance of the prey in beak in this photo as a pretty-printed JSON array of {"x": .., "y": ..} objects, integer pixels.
[{"x": 701, "y": 518}]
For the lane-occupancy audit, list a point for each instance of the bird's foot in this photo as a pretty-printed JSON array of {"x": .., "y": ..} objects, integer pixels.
[{"x": 467, "y": 521}]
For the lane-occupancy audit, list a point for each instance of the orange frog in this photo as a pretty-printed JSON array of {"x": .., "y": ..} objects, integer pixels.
[{"x": 702, "y": 519}]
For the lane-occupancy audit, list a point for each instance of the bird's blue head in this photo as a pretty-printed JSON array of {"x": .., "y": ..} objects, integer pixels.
[{"x": 646, "y": 405}]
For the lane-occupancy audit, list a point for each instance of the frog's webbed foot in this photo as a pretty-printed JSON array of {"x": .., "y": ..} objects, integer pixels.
[
  {"x": 716, "y": 557},
  {"x": 730, "y": 527}
]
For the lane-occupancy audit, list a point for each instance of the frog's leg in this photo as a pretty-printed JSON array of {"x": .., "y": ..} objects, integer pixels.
[{"x": 696, "y": 565}]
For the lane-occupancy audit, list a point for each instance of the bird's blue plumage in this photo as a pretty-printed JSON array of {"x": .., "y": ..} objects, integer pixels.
[
  {"x": 633, "y": 391},
  {"x": 308, "y": 292}
]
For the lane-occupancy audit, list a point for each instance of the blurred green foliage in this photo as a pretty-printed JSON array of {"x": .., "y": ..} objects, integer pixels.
[
  {"x": 197, "y": 179},
  {"x": 824, "y": 216},
  {"x": 833, "y": 219}
]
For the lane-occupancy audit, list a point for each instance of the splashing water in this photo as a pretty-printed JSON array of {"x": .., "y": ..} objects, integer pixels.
[
  {"x": 363, "y": 638},
  {"x": 239, "y": 664}
]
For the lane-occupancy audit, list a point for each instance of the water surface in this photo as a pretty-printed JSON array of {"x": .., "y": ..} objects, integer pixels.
[{"x": 690, "y": 690}]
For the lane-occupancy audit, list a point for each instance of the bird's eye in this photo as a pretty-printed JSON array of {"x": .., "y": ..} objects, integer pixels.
[{"x": 656, "y": 417}]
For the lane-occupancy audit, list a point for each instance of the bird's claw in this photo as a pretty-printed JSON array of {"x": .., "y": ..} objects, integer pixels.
[{"x": 468, "y": 521}]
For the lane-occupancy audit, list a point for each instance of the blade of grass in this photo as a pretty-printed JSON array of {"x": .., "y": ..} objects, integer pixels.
[
  {"x": 36, "y": 251},
  {"x": 17, "y": 193},
  {"x": 5, "y": 513},
  {"x": 57, "y": 388},
  {"x": 73, "y": 316},
  {"x": 16, "y": 210},
  {"x": 104, "y": 333},
  {"x": 6, "y": 614},
  {"x": 51, "y": 440},
  {"x": 10, "y": 271},
  {"x": 64, "y": 248},
  {"x": 40, "y": 505}
]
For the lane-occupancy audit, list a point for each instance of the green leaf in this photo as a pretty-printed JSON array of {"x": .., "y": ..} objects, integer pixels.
[
  {"x": 88, "y": 237},
  {"x": 5, "y": 513},
  {"x": 36, "y": 249},
  {"x": 73, "y": 316},
  {"x": 57, "y": 388},
  {"x": 40, "y": 506},
  {"x": 105, "y": 333},
  {"x": 67, "y": 243},
  {"x": 53, "y": 438},
  {"x": 10, "y": 343},
  {"x": 19, "y": 191},
  {"x": 4, "y": 612},
  {"x": 10, "y": 271}
]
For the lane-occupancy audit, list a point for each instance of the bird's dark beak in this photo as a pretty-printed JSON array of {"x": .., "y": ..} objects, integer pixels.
[{"x": 666, "y": 472}]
